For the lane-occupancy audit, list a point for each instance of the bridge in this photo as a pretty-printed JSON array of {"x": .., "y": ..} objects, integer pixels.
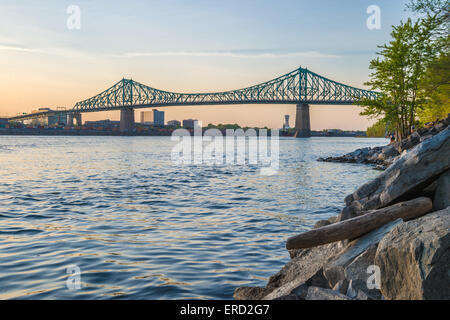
[{"x": 301, "y": 87}]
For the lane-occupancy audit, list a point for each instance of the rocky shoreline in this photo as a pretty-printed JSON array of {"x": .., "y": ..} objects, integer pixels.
[
  {"x": 383, "y": 157},
  {"x": 404, "y": 252}
]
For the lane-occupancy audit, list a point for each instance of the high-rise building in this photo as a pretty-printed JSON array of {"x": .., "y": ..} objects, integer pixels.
[
  {"x": 154, "y": 117},
  {"x": 190, "y": 123},
  {"x": 158, "y": 117}
]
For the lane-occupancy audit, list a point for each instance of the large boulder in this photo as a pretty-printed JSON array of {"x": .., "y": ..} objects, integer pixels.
[
  {"x": 442, "y": 192},
  {"x": 414, "y": 259},
  {"x": 358, "y": 273},
  {"x": 388, "y": 152},
  {"x": 249, "y": 293},
  {"x": 306, "y": 268},
  {"x": 408, "y": 143},
  {"x": 413, "y": 171},
  {"x": 335, "y": 270},
  {"x": 316, "y": 293}
]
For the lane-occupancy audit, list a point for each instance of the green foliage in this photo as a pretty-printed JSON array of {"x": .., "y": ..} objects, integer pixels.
[
  {"x": 437, "y": 8},
  {"x": 412, "y": 71},
  {"x": 377, "y": 130},
  {"x": 221, "y": 126},
  {"x": 397, "y": 73},
  {"x": 436, "y": 90}
]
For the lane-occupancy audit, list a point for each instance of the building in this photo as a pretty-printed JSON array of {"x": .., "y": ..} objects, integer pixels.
[
  {"x": 158, "y": 118},
  {"x": 59, "y": 119},
  {"x": 104, "y": 124},
  {"x": 174, "y": 123},
  {"x": 154, "y": 117},
  {"x": 3, "y": 122},
  {"x": 190, "y": 123}
]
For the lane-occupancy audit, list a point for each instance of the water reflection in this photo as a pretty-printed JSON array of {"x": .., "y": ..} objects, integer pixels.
[{"x": 140, "y": 227}]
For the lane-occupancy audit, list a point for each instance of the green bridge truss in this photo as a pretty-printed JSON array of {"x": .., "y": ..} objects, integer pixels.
[{"x": 296, "y": 87}]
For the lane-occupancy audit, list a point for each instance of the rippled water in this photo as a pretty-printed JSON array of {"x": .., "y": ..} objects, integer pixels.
[{"x": 140, "y": 227}]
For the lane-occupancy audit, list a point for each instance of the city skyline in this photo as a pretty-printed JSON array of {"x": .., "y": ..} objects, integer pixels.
[{"x": 189, "y": 52}]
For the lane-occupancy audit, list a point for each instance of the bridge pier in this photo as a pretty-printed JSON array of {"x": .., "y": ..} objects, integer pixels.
[
  {"x": 127, "y": 120},
  {"x": 302, "y": 121},
  {"x": 74, "y": 116},
  {"x": 70, "y": 120}
]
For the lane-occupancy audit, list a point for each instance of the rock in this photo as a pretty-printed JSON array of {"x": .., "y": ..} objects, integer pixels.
[
  {"x": 430, "y": 191},
  {"x": 334, "y": 271},
  {"x": 315, "y": 293},
  {"x": 357, "y": 269},
  {"x": 305, "y": 268},
  {"x": 351, "y": 211},
  {"x": 323, "y": 223},
  {"x": 429, "y": 136},
  {"x": 364, "y": 155},
  {"x": 294, "y": 253},
  {"x": 385, "y": 156},
  {"x": 358, "y": 287},
  {"x": 352, "y": 293},
  {"x": 301, "y": 291},
  {"x": 289, "y": 297},
  {"x": 361, "y": 295},
  {"x": 408, "y": 143},
  {"x": 357, "y": 274},
  {"x": 348, "y": 200},
  {"x": 283, "y": 291},
  {"x": 298, "y": 293},
  {"x": 318, "y": 280},
  {"x": 341, "y": 286},
  {"x": 408, "y": 175},
  {"x": 388, "y": 152},
  {"x": 414, "y": 259},
  {"x": 249, "y": 293},
  {"x": 442, "y": 192},
  {"x": 295, "y": 287}
]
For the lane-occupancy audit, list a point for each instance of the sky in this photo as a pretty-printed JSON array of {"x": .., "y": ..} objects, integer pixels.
[{"x": 187, "y": 46}]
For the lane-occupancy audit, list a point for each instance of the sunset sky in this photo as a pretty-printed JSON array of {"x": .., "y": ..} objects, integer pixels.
[{"x": 187, "y": 46}]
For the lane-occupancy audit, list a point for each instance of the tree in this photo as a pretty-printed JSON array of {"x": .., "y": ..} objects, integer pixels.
[
  {"x": 435, "y": 85},
  {"x": 397, "y": 73},
  {"x": 432, "y": 8},
  {"x": 436, "y": 90},
  {"x": 377, "y": 130}
]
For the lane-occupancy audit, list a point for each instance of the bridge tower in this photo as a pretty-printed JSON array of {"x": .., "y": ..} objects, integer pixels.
[
  {"x": 127, "y": 120},
  {"x": 302, "y": 121}
]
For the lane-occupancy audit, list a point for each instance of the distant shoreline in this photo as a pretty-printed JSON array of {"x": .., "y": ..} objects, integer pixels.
[{"x": 84, "y": 132}]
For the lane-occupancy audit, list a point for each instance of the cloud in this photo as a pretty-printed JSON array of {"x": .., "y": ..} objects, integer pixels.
[
  {"x": 9, "y": 47},
  {"x": 232, "y": 54}
]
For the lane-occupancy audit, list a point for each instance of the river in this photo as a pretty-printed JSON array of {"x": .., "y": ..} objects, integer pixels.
[{"x": 139, "y": 226}]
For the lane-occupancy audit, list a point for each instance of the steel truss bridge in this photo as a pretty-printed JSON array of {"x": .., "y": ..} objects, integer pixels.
[{"x": 300, "y": 86}]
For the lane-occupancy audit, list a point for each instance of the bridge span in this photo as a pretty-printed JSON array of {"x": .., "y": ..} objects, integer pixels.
[{"x": 301, "y": 87}]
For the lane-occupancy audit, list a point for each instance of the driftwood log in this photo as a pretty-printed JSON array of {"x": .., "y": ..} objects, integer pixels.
[{"x": 358, "y": 226}]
